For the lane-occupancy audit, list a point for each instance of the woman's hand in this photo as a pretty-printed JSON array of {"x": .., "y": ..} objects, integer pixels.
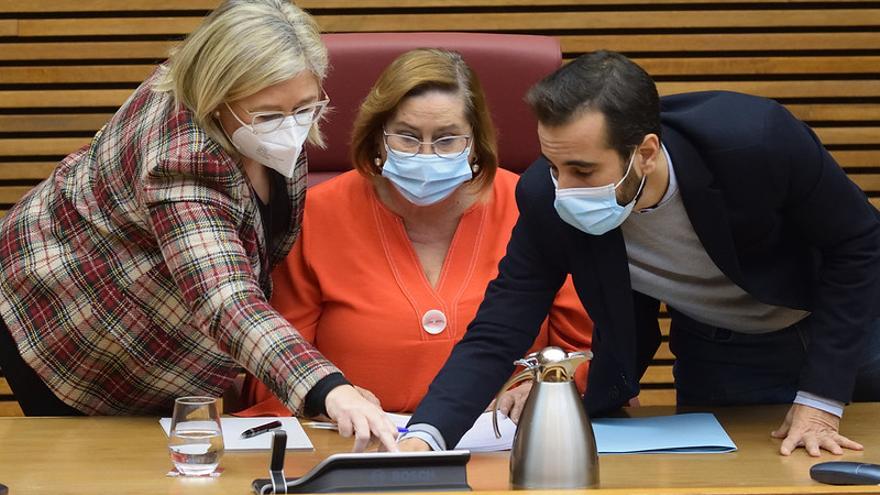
[
  {"x": 370, "y": 396},
  {"x": 511, "y": 403},
  {"x": 358, "y": 416}
]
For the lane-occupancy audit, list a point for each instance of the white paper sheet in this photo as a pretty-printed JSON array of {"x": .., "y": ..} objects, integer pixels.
[
  {"x": 481, "y": 436},
  {"x": 232, "y": 428},
  {"x": 695, "y": 433}
]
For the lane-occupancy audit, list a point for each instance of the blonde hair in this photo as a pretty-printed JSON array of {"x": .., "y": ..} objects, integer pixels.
[
  {"x": 414, "y": 73},
  {"x": 241, "y": 48}
]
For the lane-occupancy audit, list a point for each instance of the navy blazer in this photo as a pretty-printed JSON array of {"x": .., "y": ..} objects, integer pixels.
[{"x": 775, "y": 213}]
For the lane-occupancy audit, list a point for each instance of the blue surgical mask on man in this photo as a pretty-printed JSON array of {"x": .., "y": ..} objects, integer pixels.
[
  {"x": 594, "y": 210},
  {"x": 426, "y": 179}
]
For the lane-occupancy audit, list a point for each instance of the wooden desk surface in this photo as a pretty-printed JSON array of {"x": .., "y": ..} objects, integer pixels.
[{"x": 128, "y": 455}]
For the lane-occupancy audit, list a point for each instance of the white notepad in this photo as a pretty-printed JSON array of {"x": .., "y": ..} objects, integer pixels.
[{"x": 232, "y": 428}]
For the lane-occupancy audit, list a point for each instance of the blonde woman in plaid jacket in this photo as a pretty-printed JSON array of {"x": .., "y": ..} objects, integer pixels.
[{"x": 139, "y": 270}]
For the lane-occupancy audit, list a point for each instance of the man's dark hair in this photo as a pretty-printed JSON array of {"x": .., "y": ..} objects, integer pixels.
[{"x": 606, "y": 82}]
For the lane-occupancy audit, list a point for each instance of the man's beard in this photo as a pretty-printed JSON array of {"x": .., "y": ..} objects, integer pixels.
[{"x": 628, "y": 190}]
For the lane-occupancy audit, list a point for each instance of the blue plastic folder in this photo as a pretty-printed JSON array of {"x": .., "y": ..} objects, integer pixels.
[{"x": 692, "y": 433}]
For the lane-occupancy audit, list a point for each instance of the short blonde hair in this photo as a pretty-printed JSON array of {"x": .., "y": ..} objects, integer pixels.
[
  {"x": 414, "y": 73},
  {"x": 241, "y": 48}
]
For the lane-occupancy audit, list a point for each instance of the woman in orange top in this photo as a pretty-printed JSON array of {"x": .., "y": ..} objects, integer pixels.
[{"x": 394, "y": 257}]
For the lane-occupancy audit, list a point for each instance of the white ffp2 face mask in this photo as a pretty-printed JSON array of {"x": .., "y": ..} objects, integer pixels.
[{"x": 278, "y": 149}]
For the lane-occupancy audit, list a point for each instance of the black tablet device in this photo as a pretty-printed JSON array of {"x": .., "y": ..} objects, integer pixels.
[{"x": 381, "y": 471}]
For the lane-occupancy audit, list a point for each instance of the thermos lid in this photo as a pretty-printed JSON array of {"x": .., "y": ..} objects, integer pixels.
[
  {"x": 552, "y": 364},
  {"x": 551, "y": 354}
]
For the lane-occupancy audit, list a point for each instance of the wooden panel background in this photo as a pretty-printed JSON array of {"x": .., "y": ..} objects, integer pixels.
[{"x": 65, "y": 66}]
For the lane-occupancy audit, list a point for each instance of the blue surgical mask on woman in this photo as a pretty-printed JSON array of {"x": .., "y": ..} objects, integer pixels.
[
  {"x": 426, "y": 179},
  {"x": 594, "y": 210}
]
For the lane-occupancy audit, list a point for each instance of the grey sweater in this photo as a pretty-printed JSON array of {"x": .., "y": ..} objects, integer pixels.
[{"x": 668, "y": 262}]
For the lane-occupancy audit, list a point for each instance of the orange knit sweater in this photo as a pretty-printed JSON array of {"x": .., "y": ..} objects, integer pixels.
[{"x": 354, "y": 287}]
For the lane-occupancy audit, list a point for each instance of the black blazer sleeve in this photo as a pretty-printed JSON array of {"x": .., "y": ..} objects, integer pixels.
[
  {"x": 646, "y": 310},
  {"x": 833, "y": 215},
  {"x": 507, "y": 322}
]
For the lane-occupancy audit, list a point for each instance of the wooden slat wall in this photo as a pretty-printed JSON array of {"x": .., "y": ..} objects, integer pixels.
[
  {"x": 65, "y": 66},
  {"x": 8, "y": 406}
]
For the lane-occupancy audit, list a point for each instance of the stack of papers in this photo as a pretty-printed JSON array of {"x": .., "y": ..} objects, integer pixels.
[
  {"x": 679, "y": 434},
  {"x": 232, "y": 428},
  {"x": 481, "y": 436},
  {"x": 693, "y": 433}
]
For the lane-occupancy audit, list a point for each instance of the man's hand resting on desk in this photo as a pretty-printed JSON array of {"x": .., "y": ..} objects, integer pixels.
[
  {"x": 511, "y": 403},
  {"x": 354, "y": 414},
  {"x": 812, "y": 429}
]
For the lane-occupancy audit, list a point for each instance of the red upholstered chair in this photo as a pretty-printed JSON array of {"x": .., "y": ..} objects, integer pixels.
[{"x": 507, "y": 65}]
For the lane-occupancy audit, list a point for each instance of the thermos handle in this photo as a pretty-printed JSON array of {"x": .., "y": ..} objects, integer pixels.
[{"x": 519, "y": 377}]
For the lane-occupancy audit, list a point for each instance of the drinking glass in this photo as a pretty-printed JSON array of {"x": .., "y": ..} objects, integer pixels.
[{"x": 196, "y": 440}]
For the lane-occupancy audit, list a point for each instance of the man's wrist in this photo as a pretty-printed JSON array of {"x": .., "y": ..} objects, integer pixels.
[
  {"x": 830, "y": 406},
  {"x": 426, "y": 433}
]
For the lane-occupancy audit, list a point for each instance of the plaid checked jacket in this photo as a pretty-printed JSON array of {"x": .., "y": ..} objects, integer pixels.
[{"x": 136, "y": 272}]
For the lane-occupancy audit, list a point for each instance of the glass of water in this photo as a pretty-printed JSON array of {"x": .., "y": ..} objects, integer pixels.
[{"x": 196, "y": 440}]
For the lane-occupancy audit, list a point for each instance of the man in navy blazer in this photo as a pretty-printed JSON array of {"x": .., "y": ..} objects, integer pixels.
[{"x": 721, "y": 205}]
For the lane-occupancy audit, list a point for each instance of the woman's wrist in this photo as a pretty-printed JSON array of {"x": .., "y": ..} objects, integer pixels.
[{"x": 316, "y": 399}]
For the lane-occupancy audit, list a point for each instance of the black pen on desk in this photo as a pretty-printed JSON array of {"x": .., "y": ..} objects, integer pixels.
[
  {"x": 323, "y": 425},
  {"x": 257, "y": 430}
]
